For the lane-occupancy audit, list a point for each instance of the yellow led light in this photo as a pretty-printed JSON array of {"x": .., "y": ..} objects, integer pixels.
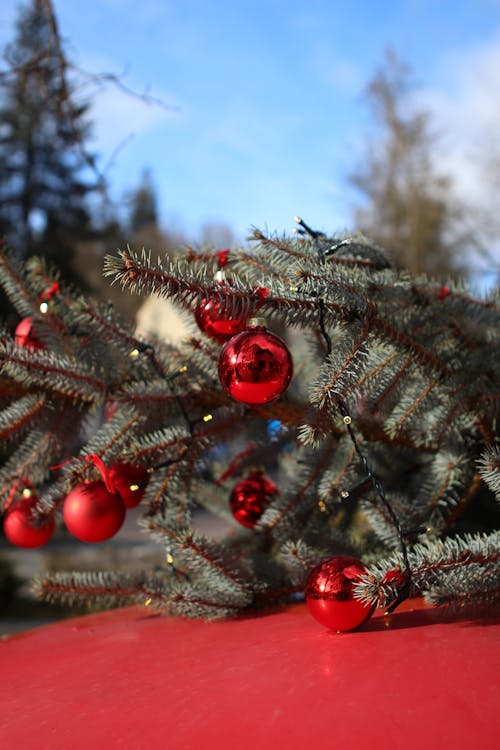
[
  {"x": 347, "y": 419},
  {"x": 44, "y": 307},
  {"x": 134, "y": 353},
  {"x": 207, "y": 418},
  {"x": 170, "y": 559},
  {"x": 134, "y": 487},
  {"x": 26, "y": 492},
  {"x": 183, "y": 368},
  {"x": 148, "y": 602}
]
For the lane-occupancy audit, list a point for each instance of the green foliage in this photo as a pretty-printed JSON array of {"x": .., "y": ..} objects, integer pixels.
[{"x": 405, "y": 366}]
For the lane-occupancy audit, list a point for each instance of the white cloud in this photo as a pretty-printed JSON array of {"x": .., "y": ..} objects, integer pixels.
[
  {"x": 118, "y": 116},
  {"x": 465, "y": 107},
  {"x": 122, "y": 109}
]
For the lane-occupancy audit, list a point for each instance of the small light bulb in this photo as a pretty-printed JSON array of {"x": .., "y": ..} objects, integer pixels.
[
  {"x": 148, "y": 602},
  {"x": 170, "y": 559},
  {"x": 347, "y": 419},
  {"x": 44, "y": 307},
  {"x": 134, "y": 487},
  {"x": 27, "y": 492},
  {"x": 207, "y": 418},
  {"x": 134, "y": 353},
  {"x": 183, "y": 368}
]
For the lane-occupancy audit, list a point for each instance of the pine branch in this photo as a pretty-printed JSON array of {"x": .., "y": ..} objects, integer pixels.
[
  {"x": 68, "y": 378},
  {"x": 15, "y": 286},
  {"x": 455, "y": 571},
  {"x": 489, "y": 468},
  {"x": 21, "y": 416},
  {"x": 388, "y": 430},
  {"x": 107, "y": 588}
]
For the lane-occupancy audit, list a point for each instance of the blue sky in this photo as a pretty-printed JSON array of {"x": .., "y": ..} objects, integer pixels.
[{"x": 270, "y": 116}]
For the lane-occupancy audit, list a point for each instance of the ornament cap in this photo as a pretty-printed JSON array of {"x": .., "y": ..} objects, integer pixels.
[{"x": 258, "y": 321}]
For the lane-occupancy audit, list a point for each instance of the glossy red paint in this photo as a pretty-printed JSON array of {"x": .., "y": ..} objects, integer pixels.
[{"x": 130, "y": 679}]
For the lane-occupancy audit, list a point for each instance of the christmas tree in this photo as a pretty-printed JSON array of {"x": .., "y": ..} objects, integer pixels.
[{"x": 340, "y": 414}]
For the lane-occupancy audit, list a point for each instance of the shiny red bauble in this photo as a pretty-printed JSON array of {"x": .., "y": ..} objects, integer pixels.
[
  {"x": 25, "y": 336},
  {"x": 129, "y": 481},
  {"x": 92, "y": 513},
  {"x": 22, "y": 529},
  {"x": 255, "y": 366},
  {"x": 329, "y": 593},
  {"x": 250, "y": 497},
  {"x": 218, "y": 326}
]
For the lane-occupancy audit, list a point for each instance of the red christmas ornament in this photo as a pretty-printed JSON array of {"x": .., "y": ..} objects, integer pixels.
[
  {"x": 255, "y": 366},
  {"x": 443, "y": 293},
  {"x": 250, "y": 497},
  {"x": 219, "y": 326},
  {"x": 24, "y": 335},
  {"x": 395, "y": 577},
  {"x": 22, "y": 529},
  {"x": 129, "y": 481},
  {"x": 329, "y": 593},
  {"x": 92, "y": 513}
]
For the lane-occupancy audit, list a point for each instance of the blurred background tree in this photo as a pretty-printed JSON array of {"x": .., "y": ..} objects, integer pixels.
[
  {"x": 44, "y": 180},
  {"x": 408, "y": 206},
  {"x": 144, "y": 208}
]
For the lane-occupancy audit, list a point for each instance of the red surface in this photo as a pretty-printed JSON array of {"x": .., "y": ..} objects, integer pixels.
[{"x": 129, "y": 679}]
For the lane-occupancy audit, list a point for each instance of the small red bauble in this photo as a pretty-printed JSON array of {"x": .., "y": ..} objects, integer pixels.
[
  {"x": 443, "y": 293},
  {"x": 129, "y": 481},
  {"x": 21, "y": 529},
  {"x": 250, "y": 497},
  {"x": 24, "y": 335},
  {"x": 219, "y": 327},
  {"x": 255, "y": 366},
  {"x": 329, "y": 593},
  {"x": 92, "y": 513}
]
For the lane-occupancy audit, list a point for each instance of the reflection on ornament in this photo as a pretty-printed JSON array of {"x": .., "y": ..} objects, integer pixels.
[
  {"x": 255, "y": 366},
  {"x": 218, "y": 326},
  {"x": 129, "y": 481},
  {"x": 250, "y": 497},
  {"x": 329, "y": 593},
  {"x": 25, "y": 336}
]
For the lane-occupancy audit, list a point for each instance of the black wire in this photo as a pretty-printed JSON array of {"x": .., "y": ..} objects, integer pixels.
[{"x": 375, "y": 482}]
